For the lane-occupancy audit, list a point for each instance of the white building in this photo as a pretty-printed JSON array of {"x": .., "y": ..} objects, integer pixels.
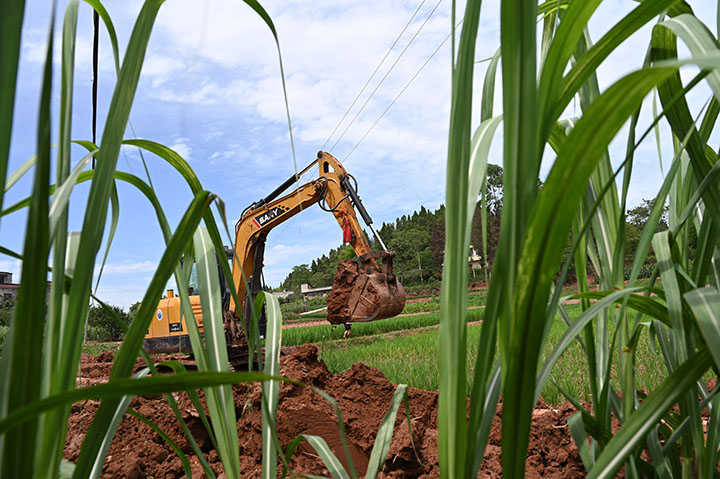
[{"x": 309, "y": 292}]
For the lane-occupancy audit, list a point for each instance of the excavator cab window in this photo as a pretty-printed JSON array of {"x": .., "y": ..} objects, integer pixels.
[{"x": 193, "y": 288}]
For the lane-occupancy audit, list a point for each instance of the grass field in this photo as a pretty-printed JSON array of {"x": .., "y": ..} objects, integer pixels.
[{"x": 409, "y": 358}]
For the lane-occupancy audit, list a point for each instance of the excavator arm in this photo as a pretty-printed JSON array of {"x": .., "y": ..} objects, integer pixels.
[{"x": 372, "y": 292}]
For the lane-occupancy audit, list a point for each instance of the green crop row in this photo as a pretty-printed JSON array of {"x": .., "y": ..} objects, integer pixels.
[{"x": 329, "y": 332}]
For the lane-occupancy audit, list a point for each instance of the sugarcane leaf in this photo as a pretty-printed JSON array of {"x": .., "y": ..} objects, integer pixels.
[
  {"x": 117, "y": 388},
  {"x": 452, "y": 338},
  {"x": 22, "y": 355},
  {"x": 637, "y": 426},
  {"x": 383, "y": 438},
  {"x": 125, "y": 357},
  {"x": 271, "y": 389},
  {"x": 329, "y": 459},
  {"x": 705, "y": 303},
  {"x": 110, "y": 433}
]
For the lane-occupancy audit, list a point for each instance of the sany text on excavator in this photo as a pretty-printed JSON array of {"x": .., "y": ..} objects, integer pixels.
[{"x": 365, "y": 293}]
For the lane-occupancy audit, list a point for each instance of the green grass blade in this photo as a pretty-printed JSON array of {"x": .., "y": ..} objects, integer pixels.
[
  {"x": 698, "y": 39},
  {"x": 110, "y": 433},
  {"x": 567, "y": 36},
  {"x": 22, "y": 383},
  {"x": 61, "y": 198},
  {"x": 577, "y": 429},
  {"x": 712, "y": 448},
  {"x": 271, "y": 389},
  {"x": 50, "y": 444},
  {"x": 98, "y": 7},
  {"x": 114, "y": 219},
  {"x": 452, "y": 337},
  {"x": 125, "y": 357},
  {"x": 180, "y": 454},
  {"x": 488, "y": 92},
  {"x": 117, "y": 388},
  {"x": 641, "y": 304},
  {"x": 679, "y": 116},
  {"x": 11, "y": 20},
  {"x": 101, "y": 188},
  {"x": 705, "y": 303},
  {"x": 673, "y": 293},
  {"x": 19, "y": 172},
  {"x": 255, "y": 5},
  {"x": 341, "y": 429},
  {"x": 572, "y": 332},
  {"x": 648, "y": 414},
  {"x": 482, "y": 432},
  {"x": 219, "y": 400},
  {"x": 384, "y": 435},
  {"x": 544, "y": 242},
  {"x": 329, "y": 459},
  {"x": 588, "y": 64},
  {"x": 479, "y": 152}
]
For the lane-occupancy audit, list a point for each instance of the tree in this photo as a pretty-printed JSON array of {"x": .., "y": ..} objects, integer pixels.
[
  {"x": 639, "y": 215},
  {"x": 103, "y": 325}
]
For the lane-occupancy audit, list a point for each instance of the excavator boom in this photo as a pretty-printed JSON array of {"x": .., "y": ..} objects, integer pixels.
[{"x": 365, "y": 293}]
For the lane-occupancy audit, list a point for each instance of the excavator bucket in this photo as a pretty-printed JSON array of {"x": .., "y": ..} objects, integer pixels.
[{"x": 366, "y": 294}]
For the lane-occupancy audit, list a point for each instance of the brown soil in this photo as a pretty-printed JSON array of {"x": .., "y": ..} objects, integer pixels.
[
  {"x": 362, "y": 393},
  {"x": 345, "y": 276}
]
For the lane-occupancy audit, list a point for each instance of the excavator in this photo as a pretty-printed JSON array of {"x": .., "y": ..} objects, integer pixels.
[{"x": 367, "y": 292}]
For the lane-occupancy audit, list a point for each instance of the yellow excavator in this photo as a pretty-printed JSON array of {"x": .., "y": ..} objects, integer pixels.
[{"x": 365, "y": 293}]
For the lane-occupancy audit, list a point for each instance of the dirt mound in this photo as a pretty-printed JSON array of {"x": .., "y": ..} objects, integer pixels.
[{"x": 363, "y": 395}]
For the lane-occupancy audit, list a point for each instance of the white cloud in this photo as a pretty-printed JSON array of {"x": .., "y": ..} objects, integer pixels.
[
  {"x": 182, "y": 148},
  {"x": 127, "y": 267}
]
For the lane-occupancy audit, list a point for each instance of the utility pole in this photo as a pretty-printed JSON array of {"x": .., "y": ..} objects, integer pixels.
[{"x": 420, "y": 268}]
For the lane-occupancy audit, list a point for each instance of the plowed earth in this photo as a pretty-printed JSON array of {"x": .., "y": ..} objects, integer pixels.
[{"x": 363, "y": 394}]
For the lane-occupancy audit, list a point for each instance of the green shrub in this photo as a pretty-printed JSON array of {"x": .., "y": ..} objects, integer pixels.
[
  {"x": 98, "y": 333},
  {"x": 3, "y": 334},
  {"x": 6, "y": 309},
  {"x": 105, "y": 325}
]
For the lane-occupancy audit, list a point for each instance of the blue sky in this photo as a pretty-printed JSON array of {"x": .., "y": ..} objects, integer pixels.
[{"x": 211, "y": 90}]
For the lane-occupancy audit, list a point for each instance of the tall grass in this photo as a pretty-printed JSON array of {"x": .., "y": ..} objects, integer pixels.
[
  {"x": 580, "y": 197},
  {"x": 40, "y": 356}
]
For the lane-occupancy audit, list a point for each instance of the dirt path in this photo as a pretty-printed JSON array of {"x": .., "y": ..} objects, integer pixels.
[{"x": 324, "y": 321}]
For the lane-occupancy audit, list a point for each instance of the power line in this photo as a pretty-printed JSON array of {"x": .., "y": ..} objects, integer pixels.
[
  {"x": 373, "y": 74},
  {"x": 387, "y": 73},
  {"x": 290, "y": 221},
  {"x": 398, "y": 96}
]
